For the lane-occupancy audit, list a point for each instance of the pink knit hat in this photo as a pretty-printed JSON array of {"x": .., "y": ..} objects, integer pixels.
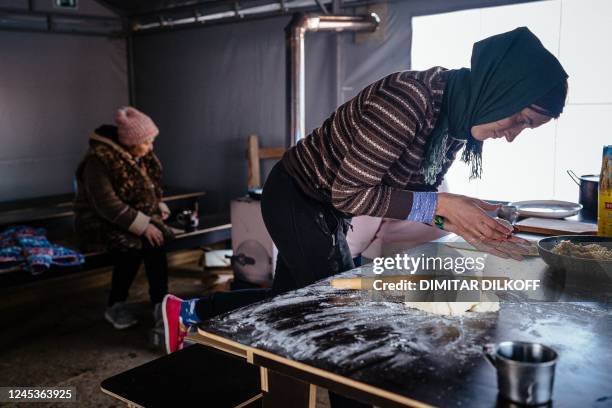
[{"x": 134, "y": 127}]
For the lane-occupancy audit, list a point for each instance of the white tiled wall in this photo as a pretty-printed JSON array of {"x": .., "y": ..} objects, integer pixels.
[
  {"x": 541, "y": 17},
  {"x": 459, "y": 182},
  {"x": 437, "y": 41},
  {"x": 514, "y": 171},
  {"x": 586, "y": 49},
  {"x": 534, "y": 166},
  {"x": 582, "y": 131}
]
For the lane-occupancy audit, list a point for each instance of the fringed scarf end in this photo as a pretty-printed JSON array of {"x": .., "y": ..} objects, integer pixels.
[{"x": 472, "y": 155}]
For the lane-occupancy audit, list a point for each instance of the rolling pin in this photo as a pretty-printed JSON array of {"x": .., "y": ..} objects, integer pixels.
[{"x": 367, "y": 283}]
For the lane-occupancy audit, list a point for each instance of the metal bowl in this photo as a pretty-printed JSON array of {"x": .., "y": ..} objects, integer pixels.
[
  {"x": 571, "y": 264},
  {"x": 255, "y": 193}
]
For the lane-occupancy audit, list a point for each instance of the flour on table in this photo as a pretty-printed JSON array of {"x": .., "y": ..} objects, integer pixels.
[
  {"x": 454, "y": 308},
  {"x": 530, "y": 250}
]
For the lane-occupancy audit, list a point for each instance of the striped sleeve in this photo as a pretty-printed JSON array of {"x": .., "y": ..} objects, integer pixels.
[{"x": 392, "y": 112}]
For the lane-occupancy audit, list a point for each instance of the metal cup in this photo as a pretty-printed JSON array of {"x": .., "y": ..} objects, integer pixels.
[
  {"x": 509, "y": 213},
  {"x": 525, "y": 371},
  {"x": 188, "y": 219}
]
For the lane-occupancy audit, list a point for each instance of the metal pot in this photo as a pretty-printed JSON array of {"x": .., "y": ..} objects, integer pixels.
[{"x": 588, "y": 196}]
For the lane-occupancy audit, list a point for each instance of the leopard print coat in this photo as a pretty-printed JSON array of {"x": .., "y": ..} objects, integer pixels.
[{"x": 113, "y": 188}]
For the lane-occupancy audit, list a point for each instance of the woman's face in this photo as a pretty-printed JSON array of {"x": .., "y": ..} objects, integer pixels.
[
  {"x": 510, "y": 127},
  {"x": 142, "y": 149}
]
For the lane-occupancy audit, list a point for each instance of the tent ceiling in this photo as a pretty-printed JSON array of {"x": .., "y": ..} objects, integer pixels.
[
  {"x": 164, "y": 14},
  {"x": 156, "y": 15},
  {"x": 131, "y": 7},
  {"x": 140, "y": 7}
]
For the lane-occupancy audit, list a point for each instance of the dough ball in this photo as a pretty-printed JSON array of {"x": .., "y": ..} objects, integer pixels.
[
  {"x": 454, "y": 308},
  {"x": 484, "y": 307}
]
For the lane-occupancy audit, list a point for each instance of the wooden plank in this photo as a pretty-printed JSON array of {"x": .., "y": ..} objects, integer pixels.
[
  {"x": 120, "y": 398},
  {"x": 58, "y": 200},
  {"x": 222, "y": 345},
  {"x": 263, "y": 373},
  {"x": 204, "y": 231},
  {"x": 368, "y": 282},
  {"x": 254, "y": 177},
  {"x": 60, "y": 206},
  {"x": 177, "y": 257},
  {"x": 33, "y": 215},
  {"x": 312, "y": 397},
  {"x": 255, "y": 153},
  {"x": 250, "y": 402},
  {"x": 271, "y": 153},
  {"x": 42, "y": 290},
  {"x": 548, "y": 226},
  {"x": 11, "y": 269},
  {"x": 182, "y": 195},
  {"x": 19, "y": 287},
  {"x": 66, "y": 199}
]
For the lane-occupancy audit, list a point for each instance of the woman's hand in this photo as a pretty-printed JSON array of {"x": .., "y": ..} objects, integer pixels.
[
  {"x": 164, "y": 210},
  {"x": 467, "y": 217},
  {"x": 513, "y": 247},
  {"x": 154, "y": 236}
]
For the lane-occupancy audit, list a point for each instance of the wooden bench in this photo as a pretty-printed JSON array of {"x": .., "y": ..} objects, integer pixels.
[
  {"x": 213, "y": 229},
  {"x": 197, "y": 375},
  {"x": 48, "y": 211},
  {"x": 56, "y": 215}
]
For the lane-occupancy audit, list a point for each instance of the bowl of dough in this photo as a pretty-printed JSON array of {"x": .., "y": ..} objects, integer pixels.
[{"x": 581, "y": 254}]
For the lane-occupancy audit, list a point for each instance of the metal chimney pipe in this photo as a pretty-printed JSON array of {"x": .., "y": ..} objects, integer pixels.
[{"x": 295, "y": 32}]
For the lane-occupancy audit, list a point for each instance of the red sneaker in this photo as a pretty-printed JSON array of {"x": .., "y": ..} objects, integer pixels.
[{"x": 174, "y": 329}]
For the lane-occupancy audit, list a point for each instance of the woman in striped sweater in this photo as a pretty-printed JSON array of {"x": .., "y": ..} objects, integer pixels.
[{"x": 384, "y": 153}]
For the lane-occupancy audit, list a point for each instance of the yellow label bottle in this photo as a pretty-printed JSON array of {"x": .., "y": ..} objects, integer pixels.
[{"x": 604, "y": 213}]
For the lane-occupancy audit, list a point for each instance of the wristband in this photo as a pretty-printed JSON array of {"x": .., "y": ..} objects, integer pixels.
[
  {"x": 423, "y": 207},
  {"x": 439, "y": 221}
]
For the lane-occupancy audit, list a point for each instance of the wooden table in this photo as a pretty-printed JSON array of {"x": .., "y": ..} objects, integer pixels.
[{"x": 374, "y": 349}]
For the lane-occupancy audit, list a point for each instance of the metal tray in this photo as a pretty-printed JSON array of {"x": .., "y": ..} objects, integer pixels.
[{"x": 546, "y": 208}]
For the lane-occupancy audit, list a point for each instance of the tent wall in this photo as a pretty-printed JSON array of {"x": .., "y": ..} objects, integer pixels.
[
  {"x": 209, "y": 88},
  {"x": 54, "y": 89},
  {"x": 363, "y": 62}
]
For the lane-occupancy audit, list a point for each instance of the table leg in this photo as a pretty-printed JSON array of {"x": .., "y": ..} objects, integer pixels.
[{"x": 281, "y": 391}]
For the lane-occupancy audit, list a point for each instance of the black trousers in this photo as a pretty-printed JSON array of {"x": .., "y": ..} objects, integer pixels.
[
  {"x": 311, "y": 241},
  {"x": 125, "y": 268}
]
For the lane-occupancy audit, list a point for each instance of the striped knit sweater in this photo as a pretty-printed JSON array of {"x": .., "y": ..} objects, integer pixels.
[{"x": 367, "y": 156}]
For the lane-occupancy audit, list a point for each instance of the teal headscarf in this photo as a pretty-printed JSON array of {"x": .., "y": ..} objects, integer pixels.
[{"x": 509, "y": 72}]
